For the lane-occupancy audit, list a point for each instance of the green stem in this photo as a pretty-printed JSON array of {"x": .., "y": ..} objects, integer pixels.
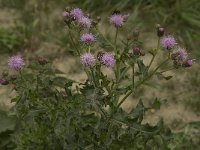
[
  {"x": 74, "y": 44},
  {"x": 93, "y": 77},
  {"x": 115, "y": 42},
  {"x": 118, "y": 59},
  {"x": 105, "y": 39},
  {"x": 154, "y": 55},
  {"x": 123, "y": 99},
  {"x": 117, "y": 73},
  {"x": 133, "y": 75},
  {"x": 140, "y": 83},
  {"x": 23, "y": 80},
  {"x": 102, "y": 110},
  {"x": 87, "y": 73},
  {"x": 124, "y": 72},
  {"x": 152, "y": 59}
]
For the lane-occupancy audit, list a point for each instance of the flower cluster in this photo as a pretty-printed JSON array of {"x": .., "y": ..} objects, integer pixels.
[
  {"x": 77, "y": 15},
  {"x": 168, "y": 42},
  {"x": 88, "y": 60},
  {"x": 180, "y": 58},
  {"x": 179, "y": 55}
]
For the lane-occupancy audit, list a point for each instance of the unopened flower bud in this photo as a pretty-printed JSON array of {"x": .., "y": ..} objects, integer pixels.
[
  {"x": 42, "y": 61},
  {"x": 100, "y": 55},
  {"x": 116, "y": 12},
  {"x": 4, "y": 82},
  {"x": 5, "y": 73},
  {"x": 67, "y": 9},
  {"x": 158, "y": 26},
  {"x": 137, "y": 51},
  {"x": 160, "y": 32},
  {"x": 13, "y": 77},
  {"x": 188, "y": 63},
  {"x": 128, "y": 38},
  {"x": 136, "y": 33},
  {"x": 125, "y": 17}
]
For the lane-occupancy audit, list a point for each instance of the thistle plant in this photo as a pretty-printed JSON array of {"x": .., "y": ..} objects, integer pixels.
[{"x": 52, "y": 114}]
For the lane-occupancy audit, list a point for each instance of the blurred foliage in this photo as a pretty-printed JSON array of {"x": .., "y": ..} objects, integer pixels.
[
  {"x": 182, "y": 18},
  {"x": 193, "y": 92},
  {"x": 10, "y": 40},
  {"x": 7, "y": 127}
]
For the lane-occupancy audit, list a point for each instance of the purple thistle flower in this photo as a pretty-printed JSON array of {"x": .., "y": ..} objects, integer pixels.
[
  {"x": 76, "y": 13},
  {"x": 87, "y": 60},
  {"x": 117, "y": 20},
  {"x": 188, "y": 63},
  {"x": 168, "y": 42},
  {"x": 84, "y": 22},
  {"x": 16, "y": 62},
  {"x": 108, "y": 60},
  {"x": 160, "y": 31},
  {"x": 88, "y": 38},
  {"x": 4, "y": 82},
  {"x": 180, "y": 55},
  {"x": 137, "y": 51}
]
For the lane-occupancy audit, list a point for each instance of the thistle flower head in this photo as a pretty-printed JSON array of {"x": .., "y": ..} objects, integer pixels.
[
  {"x": 76, "y": 13},
  {"x": 88, "y": 38},
  {"x": 84, "y": 22},
  {"x": 137, "y": 51},
  {"x": 168, "y": 42},
  {"x": 87, "y": 60},
  {"x": 4, "y": 82},
  {"x": 180, "y": 55},
  {"x": 117, "y": 20},
  {"x": 16, "y": 62},
  {"x": 108, "y": 60}
]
